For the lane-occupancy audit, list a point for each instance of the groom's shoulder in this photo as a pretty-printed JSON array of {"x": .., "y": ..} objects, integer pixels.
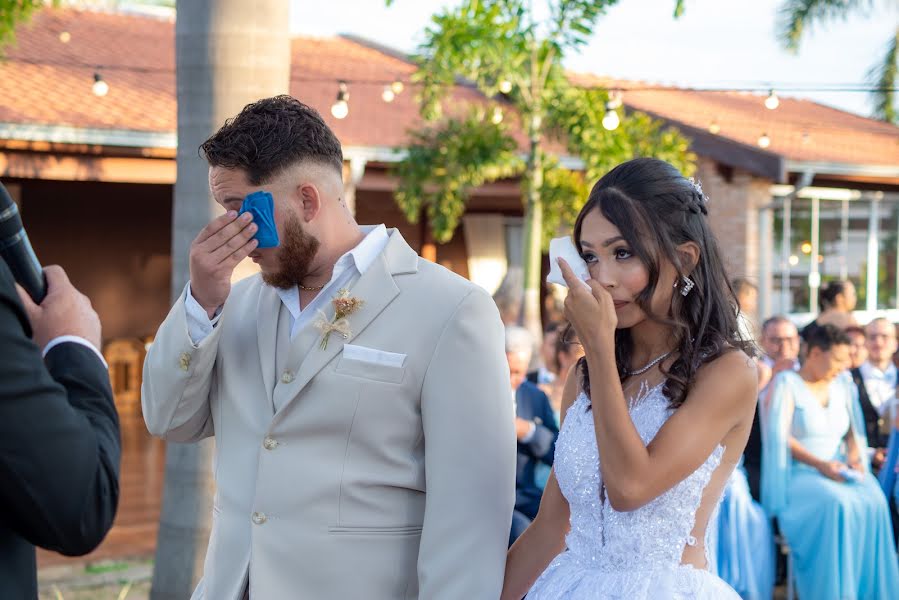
[
  {"x": 446, "y": 294},
  {"x": 440, "y": 282}
]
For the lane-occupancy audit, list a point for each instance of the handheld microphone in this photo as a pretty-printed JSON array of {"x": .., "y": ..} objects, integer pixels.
[{"x": 16, "y": 250}]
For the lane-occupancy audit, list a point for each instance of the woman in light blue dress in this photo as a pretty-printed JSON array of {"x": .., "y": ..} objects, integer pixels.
[
  {"x": 817, "y": 482},
  {"x": 744, "y": 552}
]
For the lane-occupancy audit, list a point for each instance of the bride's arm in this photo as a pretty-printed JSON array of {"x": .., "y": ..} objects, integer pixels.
[
  {"x": 545, "y": 537},
  {"x": 721, "y": 398}
]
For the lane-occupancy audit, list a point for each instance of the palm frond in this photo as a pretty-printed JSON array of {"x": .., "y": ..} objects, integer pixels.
[
  {"x": 882, "y": 77},
  {"x": 796, "y": 16}
]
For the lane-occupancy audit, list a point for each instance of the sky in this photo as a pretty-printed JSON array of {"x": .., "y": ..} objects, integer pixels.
[{"x": 717, "y": 43}]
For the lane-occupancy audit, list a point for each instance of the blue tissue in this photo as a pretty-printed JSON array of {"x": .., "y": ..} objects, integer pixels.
[{"x": 262, "y": 207}]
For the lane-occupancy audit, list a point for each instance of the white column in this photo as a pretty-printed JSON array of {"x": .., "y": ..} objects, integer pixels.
[
  {"x": 844, "y": 241},
  {"x": 352, "y": 175},
  {"x": 766, "y": 257},
  {"x": 785, "y": 258},
  {"x": 873, "y": 249},
  {"x": 814, "y": 276}
]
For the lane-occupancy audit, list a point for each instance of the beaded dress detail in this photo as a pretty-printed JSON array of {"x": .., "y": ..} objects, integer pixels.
[{"x": 633, "y": 555}]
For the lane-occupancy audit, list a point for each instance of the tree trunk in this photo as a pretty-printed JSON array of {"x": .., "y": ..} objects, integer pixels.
[
  {"x": 229, "y": 53},
  {"x": 533, "y": 231}
]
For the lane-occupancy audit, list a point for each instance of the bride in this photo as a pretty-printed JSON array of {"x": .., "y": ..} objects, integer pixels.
[{"x": 659, "y": 409}]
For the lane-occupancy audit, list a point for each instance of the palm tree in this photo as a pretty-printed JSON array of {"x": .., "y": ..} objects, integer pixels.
[
  {"x": 795, "y": 16},
  {"x": 216, "y": 77}
]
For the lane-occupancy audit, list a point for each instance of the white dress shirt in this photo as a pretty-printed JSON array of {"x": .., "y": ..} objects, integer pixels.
[
  {"x": 355, "y": 262},
  {"x": 880, "y": 385}
]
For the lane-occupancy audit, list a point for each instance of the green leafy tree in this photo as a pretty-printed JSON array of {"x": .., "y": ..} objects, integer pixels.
[
  {"x": 14, "y": 12},
  {"x": 512, "y": 54},
  {"x": 797, "y": 16}
]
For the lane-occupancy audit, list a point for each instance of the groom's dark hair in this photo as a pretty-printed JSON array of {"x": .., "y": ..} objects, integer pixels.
[{"x": 270, "y": 135}]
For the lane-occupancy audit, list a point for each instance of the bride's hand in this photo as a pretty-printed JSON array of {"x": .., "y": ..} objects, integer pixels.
[{"x": 590, "y": 310}]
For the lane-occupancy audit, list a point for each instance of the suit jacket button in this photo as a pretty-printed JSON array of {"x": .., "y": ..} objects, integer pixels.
[
  {"x": 184, "y": 361},
  {"x": 259, "y": 518},
  {"x": 286, "y": 377},
  {"x": 538, "y": 420},
  {"x": 270, "y": 443}
]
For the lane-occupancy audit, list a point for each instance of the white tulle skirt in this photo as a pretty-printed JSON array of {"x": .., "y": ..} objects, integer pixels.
[{"x": 566, "y": 578}]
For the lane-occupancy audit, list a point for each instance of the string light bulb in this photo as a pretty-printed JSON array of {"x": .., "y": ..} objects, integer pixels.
[
  {"x": 772, "y": 101},
  {"x": 505, "y": 86},
  {"x": 341, "y": 107},
  {"x": 764, "y": 141},
  {"x": 714, "y": 127},
  {"x": 100, "y": 87},
  {"x": 387, "y": 95},
  {"x": 397, "y": 87},
  {"x": 497, "y": 117},
  {"x": 611, "y": 120}
]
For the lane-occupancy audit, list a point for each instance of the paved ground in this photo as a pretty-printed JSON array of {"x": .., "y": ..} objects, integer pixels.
[{"x": 105, "y": 580}]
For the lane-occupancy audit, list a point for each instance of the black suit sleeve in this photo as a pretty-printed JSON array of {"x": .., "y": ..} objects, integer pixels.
[{"x": 59, "y": 437}]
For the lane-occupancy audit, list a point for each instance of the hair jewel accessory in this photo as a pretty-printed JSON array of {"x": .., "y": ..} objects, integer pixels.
[
  {"x": 687, "y": 285},
  {"x": 697, "y": 185}
]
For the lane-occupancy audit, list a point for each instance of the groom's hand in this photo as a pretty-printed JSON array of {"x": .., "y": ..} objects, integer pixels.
[{"x": 214, "y": 254}]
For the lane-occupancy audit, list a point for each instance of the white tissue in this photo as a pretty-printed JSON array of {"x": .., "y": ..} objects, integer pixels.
[{"x": 564, "y": 247}]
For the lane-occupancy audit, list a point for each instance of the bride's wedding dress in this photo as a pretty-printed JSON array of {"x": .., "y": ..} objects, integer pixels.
[{"x": 632, "y": 555}]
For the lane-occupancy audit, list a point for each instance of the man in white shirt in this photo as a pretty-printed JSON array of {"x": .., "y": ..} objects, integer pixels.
[
  {"x": 880, "y": 374},
  {"x": 358, "y": 394}
]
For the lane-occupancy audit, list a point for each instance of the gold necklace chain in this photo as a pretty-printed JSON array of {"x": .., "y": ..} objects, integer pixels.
[{"x": 310, "y": 289}]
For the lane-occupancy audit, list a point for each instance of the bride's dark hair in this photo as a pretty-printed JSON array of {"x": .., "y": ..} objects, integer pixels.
[{"x": 656, "y": 209}]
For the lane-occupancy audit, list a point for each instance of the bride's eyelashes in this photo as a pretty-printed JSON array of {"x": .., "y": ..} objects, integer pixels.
[{"x": 620, "y": 253}]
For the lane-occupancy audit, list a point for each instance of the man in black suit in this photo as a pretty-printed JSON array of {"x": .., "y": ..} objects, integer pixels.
[
  {"x": 535, "y": 428},
  {"x": 59, "y": 432}
]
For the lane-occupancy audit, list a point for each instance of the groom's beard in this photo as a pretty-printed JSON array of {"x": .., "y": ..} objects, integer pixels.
[{"x": 298, "y": 249}]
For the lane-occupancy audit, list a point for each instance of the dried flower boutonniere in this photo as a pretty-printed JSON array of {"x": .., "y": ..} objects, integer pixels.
[{"x": 344, "y": 306}]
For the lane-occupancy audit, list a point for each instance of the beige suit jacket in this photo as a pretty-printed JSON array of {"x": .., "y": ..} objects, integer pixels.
[{"x": 370, "y": 481}]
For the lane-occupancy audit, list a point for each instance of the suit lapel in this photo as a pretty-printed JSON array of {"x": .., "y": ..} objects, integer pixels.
[
  {"x": 376, "y": 289},
  {"x": 267, "y": 335}
]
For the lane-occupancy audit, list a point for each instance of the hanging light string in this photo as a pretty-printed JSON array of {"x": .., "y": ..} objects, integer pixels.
[{"x": 505, "y": 86}]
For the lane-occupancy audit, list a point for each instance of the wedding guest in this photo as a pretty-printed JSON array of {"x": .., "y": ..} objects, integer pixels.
[
  {"x": 780, "y": 344},
  {"x": 747, "y": 299},
  {"x": 547, "y": 372},
  {"x": 816, "y": 478},
  {"x": 567, "y": 353},
  {"x": 535, "y": 429},
  {"x": 837, "y": 300},
  {"x": 858, "y": 356},
  {"x": 880, "y": 377}
]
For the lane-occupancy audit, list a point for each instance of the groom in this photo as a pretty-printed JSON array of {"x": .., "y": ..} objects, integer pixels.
[{"x": 372, "y": 457}]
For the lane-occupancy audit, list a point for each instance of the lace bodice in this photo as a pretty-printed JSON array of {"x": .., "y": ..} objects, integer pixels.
[{"x": 652, "y": 536}]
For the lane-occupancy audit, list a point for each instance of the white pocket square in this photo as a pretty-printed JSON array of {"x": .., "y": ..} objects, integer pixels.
[{"x": 370, "y": 355}]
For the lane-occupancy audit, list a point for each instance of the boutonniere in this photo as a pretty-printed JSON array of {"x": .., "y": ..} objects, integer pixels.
[{"x": 344, "y": 306}]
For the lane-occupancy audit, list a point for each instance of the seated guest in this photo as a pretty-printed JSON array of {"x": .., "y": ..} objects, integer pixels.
[
  {"x": 549, "y": 370},
  {"x": 747, "y": 299},
  {"x": 880, "y": 377},
  {"x": 745, "y": 552},
  {"x": 535, "y": 428},
  {"x": 780, "y": 344},
  {"x": 828, "y": 505},
  {"x": 567, "y": 353},
  {"x": 858, "y": 355}
]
